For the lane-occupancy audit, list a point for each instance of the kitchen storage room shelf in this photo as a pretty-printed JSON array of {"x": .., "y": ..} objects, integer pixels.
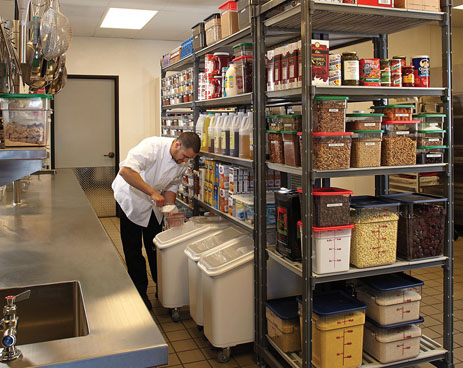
[
  {"x": 178, "y": 106},
  {"x": 180, "y": 65},
  {"x": 179, "y": 201},
  {"x": 226, "y": 43},
  {"x": 244, "y": 99},
  {"x": 234, "y": 220},
  {"x": 228, "y": 159}
]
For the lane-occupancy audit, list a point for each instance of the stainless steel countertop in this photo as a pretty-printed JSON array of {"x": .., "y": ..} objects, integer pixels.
[{"x": 57, "y": 237}]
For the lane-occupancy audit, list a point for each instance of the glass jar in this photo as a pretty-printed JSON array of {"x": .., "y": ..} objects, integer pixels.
[
  {"x": 403, "y": 60},
  {"x": 385, "y": 65},
  {"x": 350, "y": 69},
  {"x": 408, "y": 77},
  {"x": 217, "y": 87}
]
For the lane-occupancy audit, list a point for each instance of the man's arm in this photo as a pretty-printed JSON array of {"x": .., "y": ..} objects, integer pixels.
[
  {"x": 170, "y": 197},
  {"x": 134, "y": 179}
]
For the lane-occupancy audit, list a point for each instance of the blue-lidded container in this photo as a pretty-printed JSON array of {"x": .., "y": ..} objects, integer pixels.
[
  {"x": 283, "y": 323},
  {"x": 421, "y": 225},
  {"x": 374, "y": 237},
  {"x": 392, "y": 282}
]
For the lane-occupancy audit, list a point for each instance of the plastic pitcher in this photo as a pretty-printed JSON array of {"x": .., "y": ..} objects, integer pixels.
[
  {"x": 225, "y": 140},
  {"x": 245, "y": 138},
  {"x": 210, "y": 133},
  {"x": 218, "y": 133},
  {"x": 235, "y": 135}
]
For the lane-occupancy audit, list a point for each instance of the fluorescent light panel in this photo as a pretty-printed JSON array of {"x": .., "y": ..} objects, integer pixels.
[{"x": 127, "y": 18}]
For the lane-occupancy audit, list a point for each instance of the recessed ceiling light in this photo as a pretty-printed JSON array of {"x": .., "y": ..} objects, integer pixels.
[
  {"x": 127, "y": 18},
  {"x": 459, "y": 7}
]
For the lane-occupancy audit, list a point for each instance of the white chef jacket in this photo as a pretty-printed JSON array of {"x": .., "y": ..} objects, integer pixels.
[{"x": 151, "y": 158}]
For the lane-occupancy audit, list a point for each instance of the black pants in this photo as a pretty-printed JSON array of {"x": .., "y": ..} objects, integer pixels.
[{"x": 132, "y": 235}]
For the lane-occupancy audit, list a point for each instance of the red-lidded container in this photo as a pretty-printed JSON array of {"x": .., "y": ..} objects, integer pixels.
[{"x": 331, "y": 207}]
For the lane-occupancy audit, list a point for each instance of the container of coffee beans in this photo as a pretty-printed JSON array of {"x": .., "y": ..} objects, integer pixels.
[{"x": 331, "y": 207}]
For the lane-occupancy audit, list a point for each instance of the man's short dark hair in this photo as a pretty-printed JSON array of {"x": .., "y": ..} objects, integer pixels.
[{"x": 190, "y": 140}]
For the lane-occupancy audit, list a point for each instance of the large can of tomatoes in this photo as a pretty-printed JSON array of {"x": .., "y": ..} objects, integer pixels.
[{"x": 421, "y": 64}]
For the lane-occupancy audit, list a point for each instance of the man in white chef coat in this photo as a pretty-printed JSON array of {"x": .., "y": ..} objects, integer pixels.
[{"x": 147, "y": 180}]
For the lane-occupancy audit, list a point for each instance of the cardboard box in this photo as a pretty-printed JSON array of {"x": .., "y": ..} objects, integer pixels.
[
  {"x": 409, "y": 4},
  {"x": 320, "y": 62}
]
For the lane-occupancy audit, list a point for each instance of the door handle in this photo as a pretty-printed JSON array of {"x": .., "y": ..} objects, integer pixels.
[{"x": 110, "y": 155}]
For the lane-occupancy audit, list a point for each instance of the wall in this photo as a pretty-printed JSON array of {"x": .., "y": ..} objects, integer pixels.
[{"x": 137, "y": 63}]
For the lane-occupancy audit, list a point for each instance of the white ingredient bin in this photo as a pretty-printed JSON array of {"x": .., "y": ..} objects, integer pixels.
[
  {"x": 172, "y": 265},
  {"x": 194, "y": 251},
  {"x": 388, "y": 345},
  {"x": 391, "y": 299}
]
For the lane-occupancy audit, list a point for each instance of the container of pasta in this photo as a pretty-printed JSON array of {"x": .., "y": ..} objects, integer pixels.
[
  {"x": 374, "y": 237},
  {"x": 399, "y": 143},
  {"x": 362, "y": 121},
  {"x": 366, "y": 148},
  {"x": 330, "y": 113},
  {"x": 395, "y": 112}
]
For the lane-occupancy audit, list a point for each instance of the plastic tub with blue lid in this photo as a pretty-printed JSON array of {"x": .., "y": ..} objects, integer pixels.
[{"x": 283, "y": 323}]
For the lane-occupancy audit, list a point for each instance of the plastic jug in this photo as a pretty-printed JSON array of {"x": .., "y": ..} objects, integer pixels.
[
  {"x": 231, "y": 88},
  {"x": 235, "y": 135},
  {"x": 200, "y": 126},
  {"x": 251, "y": 135},
  {"x": 218, "y": 134},
  {"x": 245, "y": 138},
  {"x": 210, "y": 133},
  {"x": 205, "y": 132},
  {"x": 225, "y": 140}
]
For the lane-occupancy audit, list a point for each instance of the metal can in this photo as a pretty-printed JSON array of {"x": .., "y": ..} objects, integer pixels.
[
  {"x": 408, "y": 78},
  {"x": 403, "y": 60},
  {"x": 396, "y": 73},
  {"x": 370, "y": 72},
  {"x": 208, "y": 65},
  {"x": 385, "y": 65},
  {"x": 422, "y": 65}
]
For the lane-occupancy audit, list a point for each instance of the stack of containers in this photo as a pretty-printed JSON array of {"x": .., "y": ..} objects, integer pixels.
[
  {"x": 393, "y": 314},
  {"x": 431, "y": 146},
  {"x": 283, "y": 141},
  {"x": 331, "y": 142},
  {"x": 337, "y": 330},
  {"x": 283, "y": 323}
]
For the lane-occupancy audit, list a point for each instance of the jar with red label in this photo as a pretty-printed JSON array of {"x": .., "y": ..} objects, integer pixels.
[
  {"x": 408, "y": 77},
  {"x": 217, "y": 86}
]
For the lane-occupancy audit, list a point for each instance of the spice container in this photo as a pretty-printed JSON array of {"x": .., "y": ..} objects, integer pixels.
[
  {"x": 288, "y": 213},
  {"x": 421, "y": 225},
  {"x": 213, "y": 29},
  {"x": 350, "y": 69},
  {"x": 366, "y": 148},
  {"x": 275, "y": 144},
  {"x": 243, "y": 65},
  {"x": 374, "y": 238},
  {"x": 361, "y": 121},
  {"x": 275, "y": 122},
  {"x": 337, "y": 330},
  {"x": 283, "y": 323},
  {"x": 331, "y": 207},
  {"x": 291, "y": 148},
  {"x": 399, "y": 143},
  {"x": 408, "y": 78},
  {"x": 392, "y": 298},
  {"x": 331, "y": 151},
  {"x": 430, "y": 121},
  {"x": 429, "y": 138},
  {"x": 388, "y": 345},
  {"x": 330, "y": 114},
  {"x": 395, "y": 112},
  {"x": 430, "y": 155},
  {"x": 292, "y": 122},
  {"x": 331, "y": 249},
  {"x": 242, "y": 49}
]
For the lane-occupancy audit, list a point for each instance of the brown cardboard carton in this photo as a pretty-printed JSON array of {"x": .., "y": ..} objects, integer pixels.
[
  {"x": 431, "y": 5},
  {"x": 409, "y": 4}
]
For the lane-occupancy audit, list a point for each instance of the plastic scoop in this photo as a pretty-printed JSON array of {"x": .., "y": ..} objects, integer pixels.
[{"x": 170, "y": 208}]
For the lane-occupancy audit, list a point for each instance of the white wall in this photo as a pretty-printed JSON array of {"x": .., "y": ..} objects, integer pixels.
[{"x": 137, "y": 63}]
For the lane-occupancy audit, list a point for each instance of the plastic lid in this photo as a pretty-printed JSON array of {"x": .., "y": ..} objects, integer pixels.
[
  {"x": 197, "y": 24},
  {"x": 392, "y": 106},
  {"x": 430, "y": 115},
  {"x": 289, "y": 132},
  {"x": 274, "y": 131},
  {"x": 243, "y": 44},
  {"x": 25, "y": 95},
  {"x": 242, "y": 57},
  {"x": 394, "y": 281},
  {"x": 367, "y": 131},
  {"x": 370, "y": 202},
  {"x": 330, "y": 191},
  {"x": 284, "y": 308},
  {"x": 215, "y": 15},
  {"x": 229, "y": 5},
  {"x": 431, "y": 147},
  {"x": 299, "y": 133},
  {"x": 239, "y": 249},
  {"x": 411, "y": 198},
  {"x": 331, "y": 98},
  {"x": 395, "y": 334},
  {"x": 331, "y": 134},
  {"x": 336, "y": 302},
  {"x": 392, "y": 122},
  {"x": 291, "y": 116},
  {"x": 211, "y": 241},
  {"x": 359, "y": 115},
  {"x": 396, "y": 325},
  {"x": 331, "y": 228},
  {"x": 432, "y": 131}
]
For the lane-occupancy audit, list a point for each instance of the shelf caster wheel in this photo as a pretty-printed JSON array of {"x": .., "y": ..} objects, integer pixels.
[
  {"x": 175, "y": 314},
  {"x": 224, "y": 355}
]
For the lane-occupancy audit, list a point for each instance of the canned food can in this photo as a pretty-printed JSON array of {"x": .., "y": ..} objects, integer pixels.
[
  {"x": 408, "y": 78},
  {"x": 385, "y": 66},
  {"x": 403, "y": 60},
  {"x": 422, "y": 65},
  {"x": 396, "y": 73},
  {"x": 370, "y": 72}
]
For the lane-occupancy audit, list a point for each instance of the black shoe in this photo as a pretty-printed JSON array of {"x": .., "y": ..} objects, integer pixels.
[{"x": 147, "y": 303}]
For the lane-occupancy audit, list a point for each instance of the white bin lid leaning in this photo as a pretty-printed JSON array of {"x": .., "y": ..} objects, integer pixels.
[
  {"x": 225, "y": 259},
  {"x": 220, "y": 237}
]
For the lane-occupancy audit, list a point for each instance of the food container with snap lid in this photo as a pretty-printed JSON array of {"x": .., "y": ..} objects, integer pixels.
[
  {"x": 430, "y": 155},
  {"x": 361, "y": 121},
  {"x": 331, "y": 151},
  {"x": 275, "y": 122},
  {"x": 427, "y": 138},
  {"x": 292, "y": 122},
  {"x": 395, "y": 112},
  {"x": 399, "y": 143},
  {"x": 331, "y": 206},
  {"x": 242, "y": 49},
  {"x": 392, "y": 298},
  {"x": 283, "y": 323},
  {"x": 329, "y": 113},
  {"x": 275, "y": 146},
  {"x": 291, "y": 149},
  {"x": 366, "y": 148},
  {"x": 430, "y": 121}
]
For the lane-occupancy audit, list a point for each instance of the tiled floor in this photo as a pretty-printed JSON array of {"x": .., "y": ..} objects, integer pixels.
[{"x": 187, "y": 347}]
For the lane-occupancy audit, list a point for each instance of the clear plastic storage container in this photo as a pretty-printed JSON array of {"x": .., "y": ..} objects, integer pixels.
[
  {"x": 331, "y": 151},
  {"x": 374, "y": 238},
  {"x": 366, "y": 148},
  {"x": 361, "y": 121},
  {"x": 291, "y": 148},
  {"x": 430, "y": 155},
  {"x": 275, "y": 122},
  {"x": 228, "y": 18},
  {"x": 430, "y": 138},
  {"x": 213, "y": 29},
  {"x": 243, "y": 65},
  {"x": 331, "y": 206},
  {"x": 283, "y": 323},
  {"x": 242, "y": 49},
  {"x": 275, "y": 145},
  {"x": 421, "y": 225},
  {"x": 292, "y": 122},
  {"x": 430, "y": 121},
  {"x": 399, "y": 143},
  {"x": 330, "y": 114},
  {"x": 395, "y": 112}
]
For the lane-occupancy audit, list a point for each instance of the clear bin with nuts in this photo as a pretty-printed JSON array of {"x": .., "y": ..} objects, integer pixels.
[
  {"x": 362, "y": 121},
  {"x": 430, "y": 155},
  {"x": 274, "y": 122},
  {"x": 366, "y": 148},
  {"x": 291, "y": 148},
  {"x": 399, "y": 143},
  {"x": 430, "y": 121},
  {"x": 275, "y": 145},
  {"x": 331, "y": 151},
  {"x": 329, "y": 113},
  {"x": 429, "y": 138},
  {"x": 395, "y": 112},
  {"x": 292, "y": 122},
  {"x": 374, "y": 238}
]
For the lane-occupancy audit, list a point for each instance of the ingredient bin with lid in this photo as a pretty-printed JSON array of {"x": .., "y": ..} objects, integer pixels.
[
  {"x": 392, "y": 298},
  {"x": 283, "y": 323},
  {"x": 172, "y": 264},
  {"x": 194, "y": 251},
  {"x": 389, "y": 345},
  {"x": 275, "y": 122},
  {"x": 213, "y": 29},
  {"x": 430, "y": 155},
  {"x": 330, "y": 114},
  {"x": 228, "y": 18},
  {"x": 399, "y": 143},
  {"x": 331, "y": 206},
  {"x": 362, "y": 121},
  {"x": 242, "y": 49},
  {"x": 421, "y": 225},
  {"x": 366, "y": 148},
  {"x": 292, "y": 122},
  {"x": 431, "y": 138},
  {"x": 374, "y": 237},
  {"x": 337, "y": 330},
  {"x": 395, "y": 112},
  {"x": 199, "y": 36},
  {"x": 430, "y": 121},
  {"x": 291, "y": 148},
  {"x": 243, "y": 66},
  {"x": 331, "y": 151},
  {"x": 288, "y": 213},
  {"x": 276, "y": 147}
]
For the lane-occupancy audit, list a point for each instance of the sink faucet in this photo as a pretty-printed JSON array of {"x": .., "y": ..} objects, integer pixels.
[{"x": 9, "y": 324}]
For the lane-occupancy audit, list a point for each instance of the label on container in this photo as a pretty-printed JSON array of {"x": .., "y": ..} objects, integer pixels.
[
  {"x": 402, "y": 132},
  {"x": 333, "y": 110},
  {"x": 334, "y": 205},
  {"x": 384, "y": 2},
  {"x": 335, "y": 144},
  {"x": 402, "y": 114},
  {"x": 433, "y": 139},
  {"x": 370, "y": 143},
  {"x": 433, "y": 155},
  {"x": 351, "y": 70},
  {"x": 369, "y": 124}
]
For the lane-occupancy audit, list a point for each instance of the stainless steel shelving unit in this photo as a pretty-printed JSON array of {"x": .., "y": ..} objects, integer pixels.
[{"x": 359, "y": 24}]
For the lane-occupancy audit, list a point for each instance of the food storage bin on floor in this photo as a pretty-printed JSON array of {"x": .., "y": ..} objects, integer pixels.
[
  {"x": 421, "y": 225},
  {"x": 374, "y": 237},
  {"x": 172, "y": 265},
  {"x": 283, "y": 323},
  {"x": 194, "y": 251},
  {"x": 337, "y": 330},
  {"x": 392, "y": 344},
  {"x": 391, "y": 299}
]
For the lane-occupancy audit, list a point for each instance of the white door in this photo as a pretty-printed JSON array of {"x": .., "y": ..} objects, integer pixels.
[{"x": 84, "y": 136}]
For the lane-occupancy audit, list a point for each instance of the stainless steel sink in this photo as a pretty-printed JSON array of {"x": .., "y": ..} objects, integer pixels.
[{"x": 53, "y": 312}]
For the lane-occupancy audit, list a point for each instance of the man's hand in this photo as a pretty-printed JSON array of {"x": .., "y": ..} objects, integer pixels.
[{"x": 158, "y": 199}]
